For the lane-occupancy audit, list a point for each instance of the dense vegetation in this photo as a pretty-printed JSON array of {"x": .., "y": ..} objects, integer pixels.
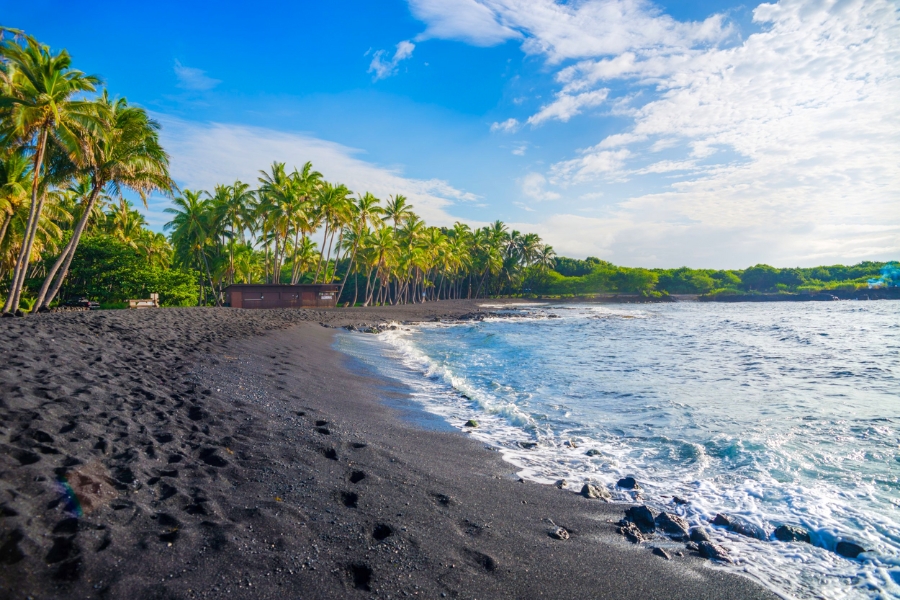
[
  {"x": 593, "y": 276},
  {"x": 69, "y": 152}
]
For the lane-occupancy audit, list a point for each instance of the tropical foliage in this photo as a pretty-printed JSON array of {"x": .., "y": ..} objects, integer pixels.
[
  {"x": 237, "y": 234},
  {"x": 64, "y": 156},
  {"x": 594, "y": 276}
]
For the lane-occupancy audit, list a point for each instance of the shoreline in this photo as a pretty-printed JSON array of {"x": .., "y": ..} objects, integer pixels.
[{"x": 211, "y": 483}]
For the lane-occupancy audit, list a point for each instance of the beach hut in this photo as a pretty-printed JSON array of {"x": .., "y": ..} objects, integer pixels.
[{"x": 282, "y": 296}]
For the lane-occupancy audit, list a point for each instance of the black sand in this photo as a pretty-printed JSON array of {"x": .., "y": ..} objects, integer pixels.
[{"x": 225, "y": 453}]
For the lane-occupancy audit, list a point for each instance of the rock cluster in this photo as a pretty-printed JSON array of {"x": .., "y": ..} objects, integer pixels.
[{"x": 641, "y": 523}]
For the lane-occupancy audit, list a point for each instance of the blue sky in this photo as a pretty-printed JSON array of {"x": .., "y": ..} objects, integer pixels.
[{"x": 709, "y": 134}]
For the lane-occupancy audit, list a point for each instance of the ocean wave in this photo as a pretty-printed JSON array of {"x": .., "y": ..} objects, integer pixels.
[{"x": 792, "y": 463}]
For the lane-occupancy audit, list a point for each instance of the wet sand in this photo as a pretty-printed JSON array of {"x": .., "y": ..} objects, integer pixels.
[{"x": 212, "y": 453}]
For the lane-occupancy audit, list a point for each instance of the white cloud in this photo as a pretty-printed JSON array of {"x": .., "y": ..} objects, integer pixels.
[
  {"x": 562, "y": 31},
  {"x": 620, "y": 139},
  {"x": 533, "y": 187},
  {"x": 566, "y": 106},
  {"x": 204, "y": 154},
  {"x": 465, "y": 20},
  {"x": 190, "y": 78},
  {"x": 382, "y": 67},
  {"x": 523, "y": 206},
  {"x": 590, "y": 166},
  {"x": 507, "y": 126},
  {"x": 786, "y": 144},
  {"x": 520, "y": 149}
]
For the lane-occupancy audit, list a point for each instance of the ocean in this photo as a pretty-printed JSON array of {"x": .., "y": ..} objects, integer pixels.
[{"x": 780, "y": 413}]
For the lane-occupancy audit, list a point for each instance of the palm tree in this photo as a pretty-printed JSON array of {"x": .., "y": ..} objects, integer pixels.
[
  {"x": 14, "y": 176},
  {"x": 125, "y": 224},
  {"x": 191, "y": 232},
  {"x": 40, "y": 106},
  {"x": 546, "y": 258},
  {"x": 238, "y": 214},
  {"x": 384, "y": 244},
  {"x": 305, "y": 218},
  {"x": 367, "y": 213},
  {"x": 397, "y": 210},
  {"x": 334, "y": 206},
  {"x": 124, "y": 153}
]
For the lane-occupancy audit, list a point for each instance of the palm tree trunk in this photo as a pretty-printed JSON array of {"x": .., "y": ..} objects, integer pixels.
[
  {"x": 319, "y": 266},
  {"x": 266, "y": 261},
  {"x": 480, "y": 285},
  {"x": 65, "y": 259},
  {"x": 294, "y": 270},
  {"x": 347, "y": 274},
  {"x": 209, "y": 276},
  {"x": 231, "y": 258},
  {"x": 34, "y": 214},
  {"x": 325, "y": 276},
  {"x": 355, "y": 289},
  {"x": 6, "y": 221},
  {"x": 368, "y": 281}
]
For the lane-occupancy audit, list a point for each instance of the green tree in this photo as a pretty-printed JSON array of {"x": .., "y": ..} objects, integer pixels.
[
  {"x": 40, "y": 105},
  {"x": 124, "y": 153}
]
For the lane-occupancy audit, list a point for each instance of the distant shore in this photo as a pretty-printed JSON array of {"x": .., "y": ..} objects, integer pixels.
[
  {"x": 881, "y": 293},
  {"x": 211, "y": 453}
]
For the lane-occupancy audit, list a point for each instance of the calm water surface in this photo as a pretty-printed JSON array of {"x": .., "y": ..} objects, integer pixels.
[{"x": 780, "y": 413}]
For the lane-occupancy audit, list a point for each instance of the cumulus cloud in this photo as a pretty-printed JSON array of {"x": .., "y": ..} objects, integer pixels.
[
  {"x": 592, "y": 165},
  {"x": 204, "y": 154},
  {"x": 507, "y": 126},
  {"x": 567, "y": 106},
  {"x": 533, "y": 185},
  {"x": 569, "y": 30},
  {"x": 190, "y": 78},
  {"x": 465, "y": 20},
  {"x": 382, "y": 67}
]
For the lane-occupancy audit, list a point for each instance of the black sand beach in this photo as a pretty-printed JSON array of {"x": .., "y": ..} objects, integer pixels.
[{"x": 213, "y": 453}]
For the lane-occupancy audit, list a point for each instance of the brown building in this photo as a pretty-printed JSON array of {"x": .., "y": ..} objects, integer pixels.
[{"x": 282, "y": 296}]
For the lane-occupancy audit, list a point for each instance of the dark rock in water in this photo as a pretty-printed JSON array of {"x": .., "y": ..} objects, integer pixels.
[
  {"x": 631, "y": 531},
  {"x": 849, "y": 549},
  {"x": 642, "y": 517},
  {"x": 748, "y": 529},
  {"x": 791, "y": 533},
  {"x": 528, "y": 445},
  {"x": 740, "y": 526},
  {"x": 713, "y": 551},
  {"x": 628, "y": 483},
  {"x": 678, "y": 500},
  {"x": 593, "y": 452},
  {"x": 722, "y": 520},
  {"x": 560, "y": 533},
  {"x": 698, "y": 534},
  {"x": 672, "y": 525},
  {"x": 692, "y": 546},
  {"x": 595, "y": 492},
  {"x": 471, "y": 423},
  {"x": 560, "y": 484},
  {"x": 662, "y": 553}
]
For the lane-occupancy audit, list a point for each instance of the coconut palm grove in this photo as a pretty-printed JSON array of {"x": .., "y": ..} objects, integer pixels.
[{"x": 75, "y": 160}]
